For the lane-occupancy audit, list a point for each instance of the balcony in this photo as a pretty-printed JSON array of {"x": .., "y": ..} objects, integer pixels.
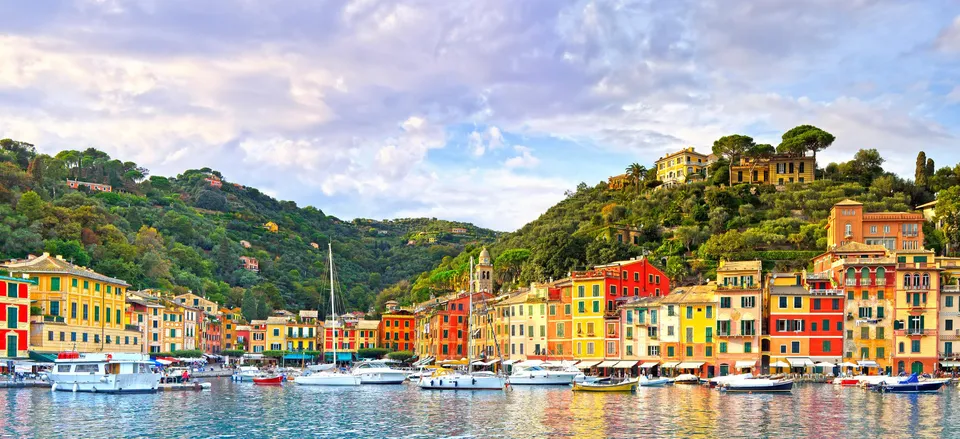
[
  {"x": 818, "y": 276},
  {"x": 881, "y": 282},
  {"x": 911, "y": 234},
  {"x": 913, "y": 265},
  {"x": 950, "y": 335},
  {"x": 865, "y": 282},
  {"x": 827, "y": 292},
  {"x": 916, "y": 287},
  {"x": 132, "y": 327},
  {"x": 851, "y": 282},
  {"x": 53, "y": 319},
  {"x": 950, "y": 288},
  {"x": 915, "y": 332}
]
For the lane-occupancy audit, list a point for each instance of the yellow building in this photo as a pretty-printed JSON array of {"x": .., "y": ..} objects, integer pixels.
[
  {"x": 271, "y": 227},
  {"x": 618, "y": 182},
  {"x": 917, "y": 304},
  {"x": 588, "y": 313},
  {"x": 367, "y": 335},
  {"x": 698, "y": 320},
  {"x": 501, "y": 328},
  {"x": 172, "y": 337},
  {"x": 779, "y": 169},
  {"x": 209, "y": 307},
  {"x": 301, "y": 336},
  {"x": 276, "y": 333},
  {"x": 682, "y": 166},
  {"x": 231, "y": 319},
  {"x": 82, "y": 310},
  {"x": 14, "y": 317},
  {"x": 739, "y": 316}
]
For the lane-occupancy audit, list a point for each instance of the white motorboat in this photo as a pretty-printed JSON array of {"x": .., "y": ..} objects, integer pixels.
[
  {"x": 686, "y": 378},
  {"x": 758, "y": 385},
  {"x": 446, "y": 379},
  {"x": 379, "y": 372},
  {"x": 536, "y": 375},
  {"x": 108, "y": 373},
  {"x": 653, "y": 382},
  {"x": 718, "y": 381},
  {"x": 246, "y": 373},
  {"x": 333, "y": 377}
]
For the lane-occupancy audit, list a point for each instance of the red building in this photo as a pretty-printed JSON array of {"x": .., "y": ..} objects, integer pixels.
[
  {"x": 806, "y": 321},
  {"x": 397, "y": 329},
  {"x": 446, "y": 325},
  {"x": 631, "y": 278},
  {"x": 15, "y": 317},
  {"x": 211, "y": 336}
]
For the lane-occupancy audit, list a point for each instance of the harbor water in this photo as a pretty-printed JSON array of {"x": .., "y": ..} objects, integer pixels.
[{"x": 242, "y": 410}]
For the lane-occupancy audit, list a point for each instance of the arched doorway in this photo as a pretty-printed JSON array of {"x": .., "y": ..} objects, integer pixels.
[
  {"x": 916, "y": 367},
  {"x": 765, "y": 345},
  {"x": 724, "y": 369},
  {"x": 900, "y": 367}
]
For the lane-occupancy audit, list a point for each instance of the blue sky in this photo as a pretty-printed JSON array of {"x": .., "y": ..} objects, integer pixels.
[{"x": 483, "y": 111}]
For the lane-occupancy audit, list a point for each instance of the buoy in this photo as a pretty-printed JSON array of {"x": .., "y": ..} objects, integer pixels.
[
  {"x": 53, "y": 387},
  {"x": 76, "y": 387}
]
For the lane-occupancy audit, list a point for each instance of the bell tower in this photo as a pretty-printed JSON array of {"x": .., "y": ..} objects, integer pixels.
[{"x": 483, "y": 276}]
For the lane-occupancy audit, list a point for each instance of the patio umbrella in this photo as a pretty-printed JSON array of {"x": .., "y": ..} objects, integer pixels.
[{"x": 824, "y": 364}]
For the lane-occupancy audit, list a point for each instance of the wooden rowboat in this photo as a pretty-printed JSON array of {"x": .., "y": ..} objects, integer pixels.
[
  {"x": 275, "y": 380},
  {"x": 626, "y": 386}
]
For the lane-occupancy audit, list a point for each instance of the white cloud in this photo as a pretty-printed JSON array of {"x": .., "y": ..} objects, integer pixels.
[
  {"x": 488, "y": 140},
  {"x": 949, "y": 38},
  {"x": 524, "y": 160}
]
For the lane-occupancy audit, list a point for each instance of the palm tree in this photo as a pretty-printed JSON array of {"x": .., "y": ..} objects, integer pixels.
[{"x": 637, "y": 172}]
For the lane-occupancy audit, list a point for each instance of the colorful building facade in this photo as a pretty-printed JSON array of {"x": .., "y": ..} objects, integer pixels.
[
  {"x": 917, "y": 307},
  {"x": 778, "y": 169},
  {"x": 739, "y": 316},
  {"x": 896, "y": 231},
  {"x": 682, "y": 166},
  {"x": 806, "y": 321},
  {"x": 14, "y": 317}
]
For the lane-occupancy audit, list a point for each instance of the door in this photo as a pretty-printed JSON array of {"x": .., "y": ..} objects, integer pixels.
[
  {"x": 11, "y": 346},
  {"x": 916, "y": 367},
  {"x": 13, "y": 315},
  {"x": 724, "y": 369}
]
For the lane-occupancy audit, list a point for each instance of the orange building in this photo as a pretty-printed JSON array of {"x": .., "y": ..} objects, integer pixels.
[
  {"x": 397, "y": 330},
  {"x": 560, "y": 320},
  {"x": 896, "y": 231}
]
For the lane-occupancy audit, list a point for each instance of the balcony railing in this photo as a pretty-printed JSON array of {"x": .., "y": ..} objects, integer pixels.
[
  {"x": 916, "y": 287},
  {"x": 950, "y": 288},
  {"x": 827, "y": 292},
  {"x": 131, "y": 327},
  {"x": 865, "y": 282},
  {"x": 53, "y": 319},
  {"x": 911, "y": 234},
  {"x": 915, "y": 332},
  {"x": 881, "y": 282},
  {"x": 951, "y": 335},
  {"x": 851, "y": 282}
]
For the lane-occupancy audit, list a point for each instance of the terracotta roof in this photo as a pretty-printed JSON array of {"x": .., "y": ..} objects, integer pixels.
[
  {"x": 739, "y": 266},
  {"x": 856, "y": 247},
  {"x": 47, "y": 264},
  {"x": 519, "y": 298},
  {"x": 309, "y": 313},
  {"x": 258, "y": 322},
  {"x": 243, "y": 327},
  {"x": 849, "y": 202},
  {"x": 276, "y": 320}
]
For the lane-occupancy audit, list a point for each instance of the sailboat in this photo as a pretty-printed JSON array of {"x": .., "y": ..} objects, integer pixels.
[
  {"x": 445, "y": 379},
  {"x": 332, "y": 377}
]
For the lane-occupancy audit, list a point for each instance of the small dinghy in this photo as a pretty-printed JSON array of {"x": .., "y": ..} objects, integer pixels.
[
  {"x": 758, "y": 385},
  {"x": 625, "y": 386},
  {"x": 275, "y": 380}
]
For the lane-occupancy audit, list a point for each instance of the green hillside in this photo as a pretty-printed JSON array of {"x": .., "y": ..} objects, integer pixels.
[
  {"x": 687, "y": 229},
  {"x": 183, "y": 233}
]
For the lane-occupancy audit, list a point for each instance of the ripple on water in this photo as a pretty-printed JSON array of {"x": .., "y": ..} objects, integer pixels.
[{"x": 241, "y": 410}]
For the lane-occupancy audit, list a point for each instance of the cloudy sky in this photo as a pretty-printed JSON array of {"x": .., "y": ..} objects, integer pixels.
[{"x": 484, "y": 111}]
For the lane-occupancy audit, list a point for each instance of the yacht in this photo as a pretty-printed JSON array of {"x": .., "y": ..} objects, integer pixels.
[
  {"x": 103, "y": 372},
  {"x": 332, "y": 376},
  {"x": 379, "y": 372},
  {"x": 447, "y": 379},
  {"x": 246, "y": 373},
  {"x": 537, "y": 375}
]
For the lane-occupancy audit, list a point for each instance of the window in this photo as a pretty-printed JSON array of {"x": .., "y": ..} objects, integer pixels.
[
  {"x": 798, "y": 302},
  {"x": 849, "y": 334},
  {"x": 880, "y": 333},
  {"x": 900, "y": 347},
  {"x": 747, "y": 347},
  {"x": 914, "y": 346},
  {"x": 783, "y": 349},
  {"x": 54, "y": 284},
  {"x": 596, "y": 293},
  {"x": 836, "y": 304},
  {"x": 596, "y": 306},
  {"x": 748, "y": 302},
  {"x": 826, "y": 346},
  {"x": 865, "y": 295},
  {"x": 748, "y": 327},
  {"x": 948, "y": 324},
  {"x": 709, "y": 311},
  {"x": 689, "y": 312},
  {"x": 96, "y": 313},
  {"x": 553, "y": 310},
  {"x": 865, "y": 333},
  {"x": 670, "y": 330},
  {"x": 580, "y": 291},
  {"x": 670, "y": 351},
  {"x": 689, "y": 338},
  {"x": 723, "y": 347},
  {"x": 582, "y": 307},
  {"x": 590, "y": 348},
  {"x": 108, "y": 314},
  {"x": 708, "y": 352},
  {"x": 689, "y": 351},
  {"x": 724, "y": 303},
  {"x": 948, "y": 301},
  {"x": 783, "y": 302},
  {"x": 849, "y": 295},
  {"x": 795, "y": 347},
  {"x": 723, "y": 329},
  {"x": 566, "y": 309}
]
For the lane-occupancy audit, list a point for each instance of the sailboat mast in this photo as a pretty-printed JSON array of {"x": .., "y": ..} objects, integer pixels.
[
  {"x": 333, "y": 311},
  {"x": 470, "y": 321}
]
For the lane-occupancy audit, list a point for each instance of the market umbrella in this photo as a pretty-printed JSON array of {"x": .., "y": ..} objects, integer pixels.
[{"x": 824, "y": 364}]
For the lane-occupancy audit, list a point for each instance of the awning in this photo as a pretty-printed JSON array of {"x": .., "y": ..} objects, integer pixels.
[
  {"x": 247, "y": 356},
  {"x": 690, "y": 365},
  {"x": 950, "y": 363},
  {"x": 587, "y": 364},
  {"x": 44, "y": 357},
  {"x": 297, "y": 357},
  {"x": 608, "y": 363},
  {"x": 648, "y": 364},
  {"x": 670, "y": 365},
  {"x": 849, "y": 364},
  {"x": 799, "y": 362},
  {"x": 509, "y": 362},
  {"x": 743, "y": 364},
  {"x": 868, "y": 363},
  {"x": 779, "y": 364},
  {"x": 825, "y": 364},
  {"x": 626, "y": 364},
  {"x": 341, "y": 356}
]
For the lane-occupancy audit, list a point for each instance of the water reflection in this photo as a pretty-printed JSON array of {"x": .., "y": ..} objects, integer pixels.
[{"x": 245, "y": 411}]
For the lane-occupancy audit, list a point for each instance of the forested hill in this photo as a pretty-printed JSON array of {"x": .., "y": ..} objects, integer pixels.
[
  {"x": 687, "y": 229},
  {"x": 185, "y": 232}
]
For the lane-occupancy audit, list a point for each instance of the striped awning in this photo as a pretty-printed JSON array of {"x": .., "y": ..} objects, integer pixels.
[
  {"x": 587, "y": 364},
  {"x": 626, "y": 364},
  {"x": 608, "y": 363},
  {"x": 800, "y": 362},
  {"x": 670, "y": 365},
  {"x": 649, "y": 364}
]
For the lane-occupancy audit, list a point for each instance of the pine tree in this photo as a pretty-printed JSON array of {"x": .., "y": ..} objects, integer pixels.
[{"x": 930, "y": 169}]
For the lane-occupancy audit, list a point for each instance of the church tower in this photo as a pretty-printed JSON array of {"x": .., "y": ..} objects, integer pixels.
[{"x": 483, "y": 273}]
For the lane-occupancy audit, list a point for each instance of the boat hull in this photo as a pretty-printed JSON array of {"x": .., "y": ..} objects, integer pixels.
[
  {"x": 654, "y": 383},
  {"x": 100, "y": 383},
  {"x": 272, "y": 381},
  {"x": 382, "y": 377},
  {"x": 627, "y": 386},
  {"x": 747, "y": 387},
  {"x": 542, "y": 379},
  {"x": 461, "y": 382},
  {"x": 921, "y": 387},
  {"x": 328, "y": 380}
]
